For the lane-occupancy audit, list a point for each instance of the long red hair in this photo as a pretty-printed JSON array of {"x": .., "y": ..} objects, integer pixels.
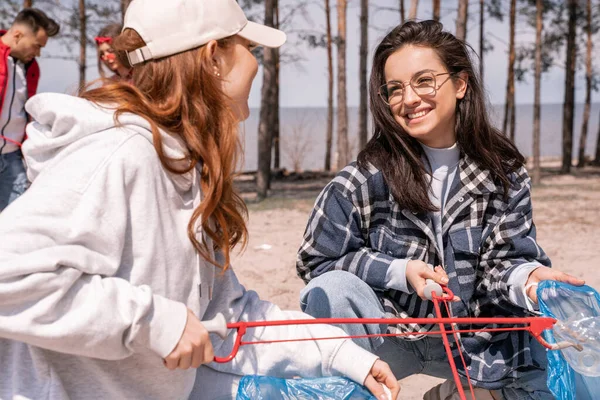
[{"x": 182, "y": 95}]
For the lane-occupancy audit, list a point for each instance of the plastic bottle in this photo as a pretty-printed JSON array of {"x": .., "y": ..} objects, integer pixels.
[{"x": 584, "y": 330}]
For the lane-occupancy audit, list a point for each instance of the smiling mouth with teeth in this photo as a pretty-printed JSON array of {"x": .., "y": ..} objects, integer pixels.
[{"x": 417, "y": 115}]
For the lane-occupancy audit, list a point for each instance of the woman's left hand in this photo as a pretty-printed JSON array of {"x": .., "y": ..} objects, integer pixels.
[
  {"x": 548, "y": 274},
  {"x": 381, "y": 374}
]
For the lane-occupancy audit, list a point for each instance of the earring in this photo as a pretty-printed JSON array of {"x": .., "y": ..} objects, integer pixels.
[{"x": 217, "y": 73}]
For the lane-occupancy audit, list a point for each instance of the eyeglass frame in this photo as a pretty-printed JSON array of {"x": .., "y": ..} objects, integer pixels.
[{"x": 435, "y": 89}]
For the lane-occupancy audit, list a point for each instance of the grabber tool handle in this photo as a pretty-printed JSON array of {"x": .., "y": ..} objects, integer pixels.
[
  {"x": 432, "y": 287},
  {"x": 216, "y": 325}
]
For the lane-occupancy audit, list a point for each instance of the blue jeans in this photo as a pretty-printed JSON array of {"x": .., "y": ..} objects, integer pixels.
[
  {"x": 340, "y": 294},
  {"x": 13, "y": 178}
]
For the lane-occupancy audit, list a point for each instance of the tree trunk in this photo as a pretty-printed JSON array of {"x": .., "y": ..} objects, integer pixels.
[
  {"x": 414, "y": 5},
  {"x": 265, "y": 125},
  {"x": 597, "y": 157},
  {"x": 510, "y": 81},
  {"x": 513, "y": 114},
  {"x": 276, "y": 129},
  {"x": 364, "y": 53},
  {"x": 569, "y": 102},
  {"x": 588, "y": 88},
  {"x": 539, "y": 26},
  {"x": 402, "y": 13},
  {"x": 124, "y": 5},
  {"x": 27, "y": 3},
  {"x": 342, "y": 107},
  {"x": 276, "y": 143},
  {"x": 436, "y": 10},
  {"x": 82, "y": 44},
  {"x": 481, "y": 37},
  {"x": 461, "y": 20},
  {"x": 329, "y": 139}
]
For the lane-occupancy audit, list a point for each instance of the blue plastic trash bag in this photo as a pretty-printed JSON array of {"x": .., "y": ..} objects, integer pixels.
[
  {"x": 572, "y": 374},
  {"x": 254, "y": 387}
]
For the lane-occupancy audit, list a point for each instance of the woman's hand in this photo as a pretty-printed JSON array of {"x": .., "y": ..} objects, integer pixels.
[
  {"x": 417, "y": 273},
  {"x": 381, "y": 374},
  {"x": 194, "y": 347},
  {"x": 548, "y": 274}
]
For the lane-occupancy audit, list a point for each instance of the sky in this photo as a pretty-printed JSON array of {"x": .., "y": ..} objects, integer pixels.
[{"x": 304, "y": 83}]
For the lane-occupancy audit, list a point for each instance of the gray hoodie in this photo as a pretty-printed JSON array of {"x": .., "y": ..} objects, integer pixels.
[{"x": 97, "y": 271}]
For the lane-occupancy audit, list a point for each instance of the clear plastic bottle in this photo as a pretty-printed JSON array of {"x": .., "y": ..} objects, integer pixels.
[
  {"x": 583, "y": 330},
  {"x": 577, "y": 310}
]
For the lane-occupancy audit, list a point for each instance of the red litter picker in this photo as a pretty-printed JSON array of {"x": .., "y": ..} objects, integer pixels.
[{"x": 448, "y": 329}]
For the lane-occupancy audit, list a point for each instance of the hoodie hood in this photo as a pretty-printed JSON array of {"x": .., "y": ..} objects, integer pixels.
[{"x": 60, "y": 120}]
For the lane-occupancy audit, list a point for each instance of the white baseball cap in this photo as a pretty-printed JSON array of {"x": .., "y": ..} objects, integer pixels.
[{"x": 173, "y": 26}]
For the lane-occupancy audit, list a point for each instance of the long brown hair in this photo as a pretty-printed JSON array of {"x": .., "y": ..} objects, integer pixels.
[
  {"x": 398, "y": 155},
  {"x": 182, "y": 95}
]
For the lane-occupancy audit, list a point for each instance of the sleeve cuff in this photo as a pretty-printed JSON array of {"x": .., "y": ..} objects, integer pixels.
[
  {"x": 395, "y": 278},
  {"x": 353, "y": 362},
  {"x": 516, "y": 285},
  {"x": 166, "y": 325}
]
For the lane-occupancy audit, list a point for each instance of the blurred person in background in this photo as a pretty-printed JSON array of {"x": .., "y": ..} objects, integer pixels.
[
  {"x": 108, "y": 58},
  {"x": 19, "y": 77}
]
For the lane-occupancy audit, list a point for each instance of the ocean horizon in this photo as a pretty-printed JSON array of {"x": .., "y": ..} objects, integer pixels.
[{"x": 303, "y": 131}]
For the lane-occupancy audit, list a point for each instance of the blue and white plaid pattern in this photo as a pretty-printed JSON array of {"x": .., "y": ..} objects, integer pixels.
[{"x": 357, "y": 226}]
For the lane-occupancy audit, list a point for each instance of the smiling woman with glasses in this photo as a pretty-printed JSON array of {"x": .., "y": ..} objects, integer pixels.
[{"x": 438, "y": 193}]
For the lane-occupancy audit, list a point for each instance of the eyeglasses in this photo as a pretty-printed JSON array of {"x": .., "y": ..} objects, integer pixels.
[{"x": 423, "y": 84}]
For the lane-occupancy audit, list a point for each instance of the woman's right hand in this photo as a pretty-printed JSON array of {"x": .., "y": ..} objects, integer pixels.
[
  {"x": 417, "y": 273},
  {"x": 194, "y": 347}
]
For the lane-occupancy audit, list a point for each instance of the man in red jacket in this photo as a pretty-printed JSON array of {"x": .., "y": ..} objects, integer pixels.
[{"x": 19, "y": 77}]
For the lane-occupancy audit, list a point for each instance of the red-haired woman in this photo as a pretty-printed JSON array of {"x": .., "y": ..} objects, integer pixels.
[{"x": 122, "y": 245}]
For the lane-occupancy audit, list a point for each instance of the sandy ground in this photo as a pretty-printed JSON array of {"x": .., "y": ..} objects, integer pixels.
[{"x": 566, "y": 213}]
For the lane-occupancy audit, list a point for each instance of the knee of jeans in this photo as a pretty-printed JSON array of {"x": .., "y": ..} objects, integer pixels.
[
  {"x": 336, "y": 282},
  {"x": 335, "y": 293}
]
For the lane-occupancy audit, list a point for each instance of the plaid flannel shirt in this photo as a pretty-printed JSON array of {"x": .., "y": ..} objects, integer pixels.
[{"x": 357, "y": 226}]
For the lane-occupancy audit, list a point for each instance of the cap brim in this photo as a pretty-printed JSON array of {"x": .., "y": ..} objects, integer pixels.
[{"x": 263, "y": 35}]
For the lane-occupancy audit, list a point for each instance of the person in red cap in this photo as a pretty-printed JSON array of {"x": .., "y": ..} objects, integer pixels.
[
  {"x": 19, "y": 77},
  {"x": 120, "y": 249}
]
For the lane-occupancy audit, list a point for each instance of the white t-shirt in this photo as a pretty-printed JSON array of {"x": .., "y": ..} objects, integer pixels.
[
  {"x": 13, "y": 118},
  {"x": 444, "y": 164}
]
